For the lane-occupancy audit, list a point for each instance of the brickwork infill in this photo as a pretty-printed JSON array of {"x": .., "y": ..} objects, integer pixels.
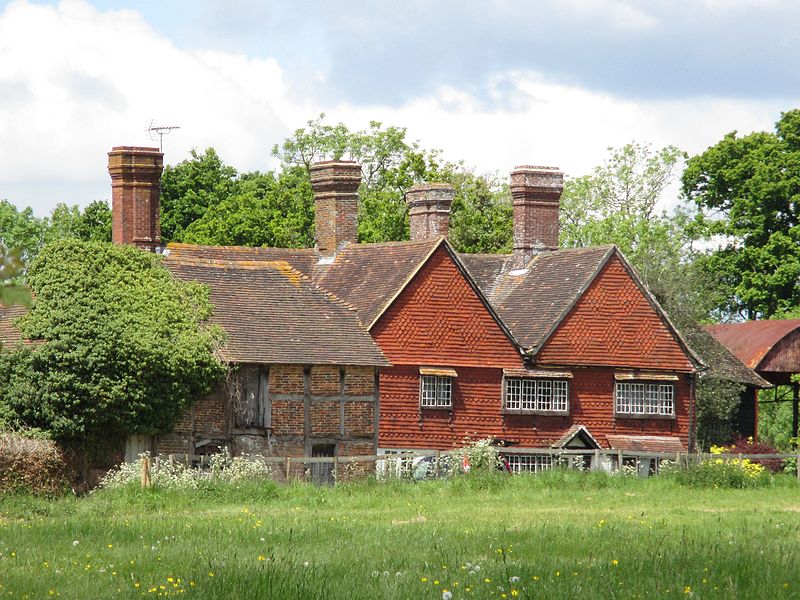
[{"x": 321, "y": 404}]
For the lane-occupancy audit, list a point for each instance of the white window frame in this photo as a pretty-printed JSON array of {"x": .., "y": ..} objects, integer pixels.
[
  {"x": 644, "y": 399},
  {"x": 528, "y": 395},
  {"x": 436, "y": 391},
  {"x": 529, "y": 463}
]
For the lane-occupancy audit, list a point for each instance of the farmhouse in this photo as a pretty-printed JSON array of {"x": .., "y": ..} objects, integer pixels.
[
  {"x": 304, "y": 370},
  {"x": 349, "y": 348},
  {"x": 540, "y": 348}
]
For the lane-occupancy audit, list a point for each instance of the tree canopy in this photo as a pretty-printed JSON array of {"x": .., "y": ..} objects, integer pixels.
[
  {"x": 22, "y": 232},
  {"x": 208, "y": 202},
  {"x": 617, "y": 203},
  {"x": 119, "y": 345},
  {"x": 748, "y": 191},
  {"x": 11, "y": 267}
]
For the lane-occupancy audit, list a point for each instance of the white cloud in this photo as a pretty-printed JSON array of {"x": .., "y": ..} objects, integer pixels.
[{"x": 75, "y": 81}]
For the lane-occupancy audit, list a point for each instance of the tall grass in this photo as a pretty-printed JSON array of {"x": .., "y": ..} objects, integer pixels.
[{"x": 557, "y": 535}]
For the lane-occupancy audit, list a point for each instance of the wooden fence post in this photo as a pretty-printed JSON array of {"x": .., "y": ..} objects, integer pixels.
[
  {"x": 596, "y": 465},
  {"x": 288, "y": 467},
  {"x": 797, "y": 458},
  {"x": 146, "y": 482},
  {"x": 335, "y": 469}
]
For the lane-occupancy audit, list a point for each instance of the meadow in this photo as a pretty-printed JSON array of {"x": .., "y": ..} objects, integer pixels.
[{"x": 562, "y": 534}]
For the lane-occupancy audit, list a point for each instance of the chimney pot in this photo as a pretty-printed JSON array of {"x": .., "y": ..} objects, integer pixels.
[
  {"x": 135, "y": 195},
  {"x": 429, "y": 210},
  {"x": 335, "y": 184},
  {"x": 536, "y": 193}
]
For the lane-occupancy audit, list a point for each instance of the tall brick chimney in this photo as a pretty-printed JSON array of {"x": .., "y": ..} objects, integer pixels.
[
  {"x": 429, "y": 210},
  {"x": 536, "y": 192},
  {"x": 135, "y": 196},
  {"x": 335, "y": 184}
]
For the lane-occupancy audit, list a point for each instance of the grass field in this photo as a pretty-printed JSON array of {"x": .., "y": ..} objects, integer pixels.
[{"x": 559, "y": 535}]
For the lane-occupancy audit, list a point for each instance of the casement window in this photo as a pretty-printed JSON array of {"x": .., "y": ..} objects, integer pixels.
[
  {"x": 529, "y": 463},
  {"x": 436, "y": 391},
  {"x": 536, "y": 395},
  {"x": 645, "y": 399},
  {"x": 436, "y": 387},
  {"x": 253, "y": 407}
]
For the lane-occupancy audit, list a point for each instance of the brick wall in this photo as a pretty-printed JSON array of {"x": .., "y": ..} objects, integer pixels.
[
  {"x": 359, "y": 381},
  {"x": 286, "y": 379},
  {"x": 325, "y": 380},
  {"x": 322, "y": 404},
  {"x": 288, "y": 417}
]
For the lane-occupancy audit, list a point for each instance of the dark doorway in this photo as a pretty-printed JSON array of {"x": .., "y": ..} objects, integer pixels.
[{"x": 322, "y": 473}]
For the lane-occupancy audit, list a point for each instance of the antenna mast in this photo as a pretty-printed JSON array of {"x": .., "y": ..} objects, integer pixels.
[{"x": 160, "y": 131}]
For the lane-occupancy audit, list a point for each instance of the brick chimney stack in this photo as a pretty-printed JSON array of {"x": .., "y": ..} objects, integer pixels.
[
  {"x": 429, "y": 210},
  {"x": 135, "y": 196},
  {"x": 536, "y": 192},
  {"x": 335, "y": 184}
]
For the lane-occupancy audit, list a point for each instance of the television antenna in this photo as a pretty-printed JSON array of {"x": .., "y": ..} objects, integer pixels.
[{"x": 154, "y": 130}]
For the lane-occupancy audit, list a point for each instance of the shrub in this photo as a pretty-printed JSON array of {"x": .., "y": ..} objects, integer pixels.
[
  {"x": 223, "y": 468},
  {"x": 748, "y": 446},
  {"x": 718, "y": 472},
  {"x": 480, "y": 455},
  {"x": 31, "y": 464}
]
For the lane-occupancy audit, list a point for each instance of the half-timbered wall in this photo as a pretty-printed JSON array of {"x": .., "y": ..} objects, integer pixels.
[{"x": 300, "y": 407}]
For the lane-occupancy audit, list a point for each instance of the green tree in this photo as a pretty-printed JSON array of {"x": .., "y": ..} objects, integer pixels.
[
  {"x": 389, "y": 163},
  {"x": 21, "y": 230},
  {"x": 190, "y": 188},
  {"x": 263, "y": 211},
  {"x": 617, "y": 204},
  {"x": 11, "y": 268},
  {"x": 748, "y": 189},
  {"x": 482, "y": 213},
  {"x": 121, "y": 344}
]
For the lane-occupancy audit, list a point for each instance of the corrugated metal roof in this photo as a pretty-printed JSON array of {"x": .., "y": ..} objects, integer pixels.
[{"x": 751, "y": 341}]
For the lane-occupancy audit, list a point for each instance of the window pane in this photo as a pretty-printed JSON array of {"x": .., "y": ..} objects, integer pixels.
[
  {"x": 543, "y": 393},
  {"x": 528, "y": 394},
  {"x": 513, "y": 393},
  {"x": 560, "y": 395},
  {"x": 666, "y": 400},
  {"x": 428, "y": 390},
  {"x": 652, "y": 399},
  {"x": 637, "y": 401}
]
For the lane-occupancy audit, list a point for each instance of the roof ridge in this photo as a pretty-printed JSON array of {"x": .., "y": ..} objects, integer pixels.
[{"x": 253, "y": 249}]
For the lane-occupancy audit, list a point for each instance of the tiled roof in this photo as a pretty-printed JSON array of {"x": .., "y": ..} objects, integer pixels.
[
  {"x": 484, "y": 269},
  {"x": 272, "y": 313},
  {"x": 645, "y": 443},
  {"x": 533, "y": 299},
  {"x": 370, "y": 276},
  {"x": 721, "y": 362},
  {"x": 9, "y": 334},
  {"x": 301, "y": 259}
]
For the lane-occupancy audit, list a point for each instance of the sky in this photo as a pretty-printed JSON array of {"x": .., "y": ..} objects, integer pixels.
[{"x": 495, "y": 83}]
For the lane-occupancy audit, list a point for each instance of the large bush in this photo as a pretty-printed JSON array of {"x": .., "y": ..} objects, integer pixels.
[
  {"x": 119, "y": 345},
  {"x": 32, "y": 465}
]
